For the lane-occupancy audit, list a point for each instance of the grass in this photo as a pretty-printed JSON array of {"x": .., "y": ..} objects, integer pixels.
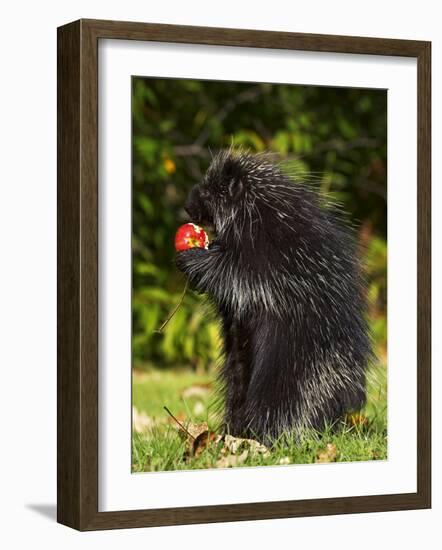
[{"x": 161, "y": 446}]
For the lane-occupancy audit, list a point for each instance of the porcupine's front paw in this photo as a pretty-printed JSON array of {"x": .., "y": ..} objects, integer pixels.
[{"x": 188, "y": 260}]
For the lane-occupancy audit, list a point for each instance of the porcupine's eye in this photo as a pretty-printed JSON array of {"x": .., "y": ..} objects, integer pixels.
[
  {"x": 198, "y": 205},
  {"x": 204, "y": 194}
]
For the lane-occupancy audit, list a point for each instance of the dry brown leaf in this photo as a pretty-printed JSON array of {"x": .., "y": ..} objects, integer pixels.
[
  {"x": 198, "y": 438},
  {"x": 236, "y": 445},
  {"x": 201, "y": 442},
  {"x": 230, "y": 461},
  {"x": 329, "y": 454},
  {"x": 196, "y": 429},
  {"x": 234, "y": 450}
]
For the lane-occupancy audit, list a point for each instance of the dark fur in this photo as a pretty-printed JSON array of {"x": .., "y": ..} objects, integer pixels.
[{"x": 284, "y": 276}]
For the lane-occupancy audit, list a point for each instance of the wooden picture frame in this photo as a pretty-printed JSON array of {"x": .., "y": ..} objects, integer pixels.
[{"x": 77, "y": 387}]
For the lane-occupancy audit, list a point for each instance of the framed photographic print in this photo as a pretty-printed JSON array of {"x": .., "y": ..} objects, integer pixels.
[{"x": 243, "y": 274}]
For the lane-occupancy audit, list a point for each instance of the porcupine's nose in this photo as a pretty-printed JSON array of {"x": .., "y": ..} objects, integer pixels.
[
  {"x": 189, "y": 208},
  {"x": 192, "y": 204}
]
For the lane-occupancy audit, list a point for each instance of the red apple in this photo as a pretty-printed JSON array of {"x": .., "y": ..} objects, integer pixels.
[{"x": 190, "y": 235}]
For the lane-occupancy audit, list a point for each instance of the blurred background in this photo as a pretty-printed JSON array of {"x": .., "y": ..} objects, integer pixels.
[{"x": 335, "y": 137}]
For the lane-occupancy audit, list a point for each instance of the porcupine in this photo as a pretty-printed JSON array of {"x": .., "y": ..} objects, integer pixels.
[{"x": 283, "y": 273}]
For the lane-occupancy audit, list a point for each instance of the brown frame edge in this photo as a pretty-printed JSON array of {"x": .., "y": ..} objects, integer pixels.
[{"x": 77, "y": 309}]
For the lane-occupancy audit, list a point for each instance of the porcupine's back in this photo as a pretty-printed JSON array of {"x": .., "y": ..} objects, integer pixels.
[{"x": 296, "y": 296}]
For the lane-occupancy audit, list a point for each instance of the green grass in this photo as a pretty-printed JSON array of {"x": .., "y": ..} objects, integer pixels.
[{"x": 190, "y": 397}]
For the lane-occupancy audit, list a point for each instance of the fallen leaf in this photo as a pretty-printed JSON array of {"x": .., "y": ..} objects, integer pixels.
[
  {"x": 285, "y": 460},
  {"x": 197, "y": 438},
  {"x": 235, "y": 445},
  {"x": 196, "y": 429},
  {"x": 201, "y": 442},
  {"x": 233, "y": 450},
  {"x": 329, "y": 454},
  {"x": 231, "y": 461}
]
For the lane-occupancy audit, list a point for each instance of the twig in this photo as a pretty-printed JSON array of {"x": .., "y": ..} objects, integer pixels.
[
  {"x": 175, "y": 309},
  {"x": 179, "y": 423}
]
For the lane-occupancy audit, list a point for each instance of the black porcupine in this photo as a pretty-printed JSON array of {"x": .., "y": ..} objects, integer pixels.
[{"x": 284, "y": 275}]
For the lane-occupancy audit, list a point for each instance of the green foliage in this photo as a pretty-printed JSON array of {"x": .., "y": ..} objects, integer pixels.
[
  {"x": 376, "y": 268},
  {"x": 191, "y": 336},
  {"x": 332, "y": 137}
]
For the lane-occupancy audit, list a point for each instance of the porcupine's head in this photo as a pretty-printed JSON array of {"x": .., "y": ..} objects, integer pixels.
[
  {"x": 236, "y": 189},
  {"x": 285, "y": 248}
]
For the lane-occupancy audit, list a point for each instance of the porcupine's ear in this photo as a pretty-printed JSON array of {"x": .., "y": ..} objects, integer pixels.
[
  {"x": 236, "y": 188},
  {"x": 234, "y": 176}
]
